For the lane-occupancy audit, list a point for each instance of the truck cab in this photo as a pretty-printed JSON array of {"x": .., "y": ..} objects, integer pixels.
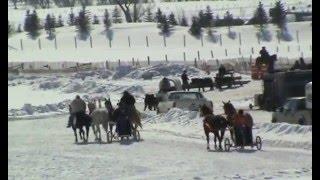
[{"x": 294, "y": 111}]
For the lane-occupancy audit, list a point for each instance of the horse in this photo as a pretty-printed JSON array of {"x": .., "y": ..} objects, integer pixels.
[
  {"x": 230, "y": 111},
  {"x": 150, "y": 101},
  {"x": 78, "y": 123},
  {"x": 214, "y": 124},
  {"x": 100, "y": 116}
]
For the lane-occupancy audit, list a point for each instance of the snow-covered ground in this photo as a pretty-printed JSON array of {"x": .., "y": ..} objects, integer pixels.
[{"x": 173, "y": 145}]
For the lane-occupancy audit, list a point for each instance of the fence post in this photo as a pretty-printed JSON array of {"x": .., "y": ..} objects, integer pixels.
[
  {"x": 148, "y": 58},
  {"x": 184, "y": 40},
  {"x": 107, "y": 64},
  {"x": 211, "y": 54},
  {"x": 75, "y": 42},
  {"x": 297, "y": 34},
  {"x": 166, "y": 58},
  {"x": 129, "y": 42},
  {"x": 201, "y": 37},
  {"x": 55, "y": 42},
  {"x": 184, "y": 56},
  {"x": 218, "y": 64},
  {"x": 226, "y": 52},
  {"x": 90, "y": 41},
  {"x": 164, "y": 41},
  {"x": 195, "y": 62},
  {"x": 198, "y": 54},
  {"x": 21, "y": 45},
  {"x": 132, "y": 61},
  {"x": 110, "y": 43},
  {"x": 288, "y": 48},
  {"x": 147, "y": 41},
  {"x": 240, "y": 42},
  {"x": 39, "y": 42},
  {"x": 252, "y": 51},
  {"x": 239, "y": 50},
  {"x": 119, "y": 63},
  {"x": 220, "y": 40}
]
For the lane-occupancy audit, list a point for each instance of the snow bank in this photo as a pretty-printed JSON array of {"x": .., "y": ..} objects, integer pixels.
[
  {"x": 170, "y": 69},
  {"x": 50, "y": 85}
]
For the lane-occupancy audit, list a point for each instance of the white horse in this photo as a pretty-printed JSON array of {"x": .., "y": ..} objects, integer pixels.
[{"x": 99, "y": 117}]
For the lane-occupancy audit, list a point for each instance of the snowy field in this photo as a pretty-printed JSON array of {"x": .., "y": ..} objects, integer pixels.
[{"x": 173, "y": 144}]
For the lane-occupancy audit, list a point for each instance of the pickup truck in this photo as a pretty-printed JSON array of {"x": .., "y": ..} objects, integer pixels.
[{"x": 183, "y": 100}]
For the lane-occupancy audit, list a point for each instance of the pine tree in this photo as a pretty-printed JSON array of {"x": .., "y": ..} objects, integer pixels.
[
  {"x": 202, "y": 19},
  {"x": 260, "y": 16},
  {"x": 195, "y": 28},
  {"x": 165, "y": 26},
  {"x": 49, "y": 25},
  {"x": 208, "y": 17},
  {"x": 32, "y": 25},
  {"x": 172, "y": 19},
  {"x": 158, "y": 15},
  {"x": 71, "y": 20},
  {"x": 184, "y": 21},
  {"x": 95, "y": 20},
  {"x": 60, "y": 22},
  {"x": 149, "y": 15},
  {"x": 278, "y": 15},
  {"x": 106, "y": 20},
  {"x": 83, "y": 23},
  {"x": 116, "y": 15}
]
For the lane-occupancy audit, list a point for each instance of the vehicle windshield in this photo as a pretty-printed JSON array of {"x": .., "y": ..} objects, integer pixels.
[{"x": 184, "y": 96}]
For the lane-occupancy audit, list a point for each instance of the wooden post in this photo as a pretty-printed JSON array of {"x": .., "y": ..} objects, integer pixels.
[
  {"x": 107, "y": 64},
  {"x": 240, "y": 42},
  {"x": 39, "y": 43},
  {"x": 21, "y": 45},
  {"x": 129, "y": 41},
  {"x": 184, "y": 56},
  {"x": 147, "y": 41},
  {"x": 119, "y": 62},
  {"x": 148, "y": 60},
  {"x": 91, "y": 41},
  {"x": 297, "y": 35},
  {"x": 211, "y": 54},
  {"x": 288, "y": 48},
  {"x": 220, "y": 40},
  {"x": 239, "y": 50},
  {"x": 198, "y": 55},
  {"x": 166, "y": 58},
  {"x": 218, "y": 64},
  {"x": 55, "y": 42},
  {"x": 132, "y": 61},
  {"x": 164, "y": 41},
  {"x": 184, "y": 40},
  {"x": 226, "y": 52},
  {"x": 252, "y": 50},
  {"x": 75, "y": 42},
  {"x": 195, "y": 62},
  {"x": 201, "y": 38},
  {"x": 109, "y": 43}
]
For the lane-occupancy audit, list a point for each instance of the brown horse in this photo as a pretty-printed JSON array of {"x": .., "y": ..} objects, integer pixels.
[
  {"x": 231, "y": 112},
  {"x": 214, "y": 124}
]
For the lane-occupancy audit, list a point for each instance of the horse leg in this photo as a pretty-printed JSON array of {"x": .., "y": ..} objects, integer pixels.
[
  {"x": 80, "y": 133},
  {"x": 94, "y": 131},
  {"x": 75, "y": 135},
  {"x": 221, "y": 138},
  {"x": 87, "y": 129},
  {"x": 207, "y": 137},
  {"x": 98, "y": 131},
  {"x": 145, "y": 107},
  {"x": 232, "y": 135},
  {"x": 215, "y": 140}
]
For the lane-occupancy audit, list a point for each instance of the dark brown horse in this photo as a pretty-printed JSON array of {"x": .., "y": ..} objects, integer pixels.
[
  {"x": 214, "y": 124},
  {"x": 231, "y": 112}
]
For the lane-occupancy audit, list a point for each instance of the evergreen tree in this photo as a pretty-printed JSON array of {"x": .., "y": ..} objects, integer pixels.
[
  {"x": 149, "y": 15},
  {"x": 49, "y": 25},
  {"x": 184, "y": 21},
  {"x": 60, "y": 22},
  {"x": 116, "y": 15},
  {"x": 83, "y": 23},
  {"x": 32, "y": 25},
  {"x": 260, "y": 16},
  {"x": 172, "y": 19},
  {"x": 278, "y": 15},
  {"x": 95, "y": 20},
  {"x": 165, "y": 26},
  {"x": 202, "y": 19},
  {"x": 208, "y": 17},
  {"x": 106, "y": 20},
  {"x": 158, "y": 15},
  {"x": 195, "y": 28},
  {"x": 71, "y": 20}
]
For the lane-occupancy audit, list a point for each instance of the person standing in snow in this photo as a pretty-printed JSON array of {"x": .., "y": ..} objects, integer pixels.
[
  {"x": 264, "y": 54},
  {"x": 185, "y": 79},
  {"x": 78, "y": 109}
]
